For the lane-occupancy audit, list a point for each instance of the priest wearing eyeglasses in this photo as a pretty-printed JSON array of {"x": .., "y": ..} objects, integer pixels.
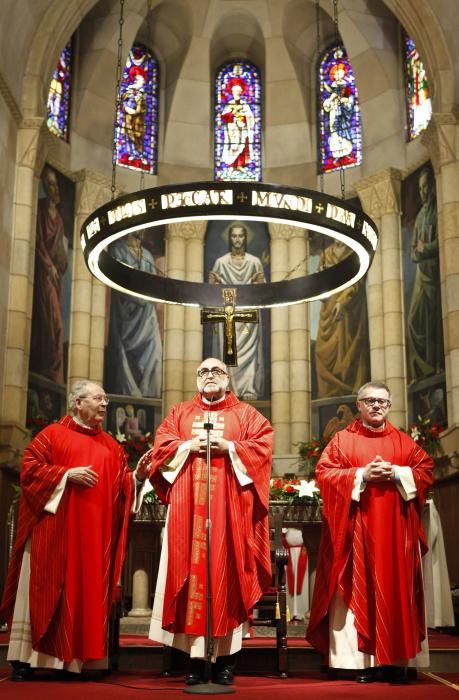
[
  {"x": 368, "y": 603},
  {"x": 240, "y": 565},
  {"x": 77, "y": 493}
]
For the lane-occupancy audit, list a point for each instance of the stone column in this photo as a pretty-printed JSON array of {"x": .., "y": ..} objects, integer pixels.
[
  {"x": 299, "y": 345},
  {"x": 174, "y": 322},
  {"x": 143, "y": 546},
  {"x": 280, "y": 356},
  {"x": 194, "y": 232},
  {"x": 30, "y": 157},
  {"x": 88, "y": 303},
  {"x": 380, "y": 197},
  {"x": 442, "y": 141}
]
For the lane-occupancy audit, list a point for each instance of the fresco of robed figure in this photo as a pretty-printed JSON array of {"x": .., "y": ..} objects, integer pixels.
[{"x": 249, "y": 380}]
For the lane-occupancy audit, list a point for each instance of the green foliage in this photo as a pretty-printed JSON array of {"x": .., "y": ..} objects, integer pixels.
[
  {"x": 293, "y": 490},
  {"x": 427, "y": 434}
]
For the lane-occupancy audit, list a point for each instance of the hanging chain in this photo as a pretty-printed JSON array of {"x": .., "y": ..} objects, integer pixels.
[
  {"x": 318, "y": 44},
  {"x": 335, "y": 20},
  {"x": 119, "y": 70},
  {"x": 342, "y": 181},
  {"x": 321, "y": 174}
]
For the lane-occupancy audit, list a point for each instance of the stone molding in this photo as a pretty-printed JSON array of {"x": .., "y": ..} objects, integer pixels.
[
  {"x": 187, "y": 230},
  {"x": 380, "y": 193},
  {"x": 441, "y": 140}
]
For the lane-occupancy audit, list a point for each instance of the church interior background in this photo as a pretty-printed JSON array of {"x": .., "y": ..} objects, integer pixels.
[{"x": 195, "y": 73}]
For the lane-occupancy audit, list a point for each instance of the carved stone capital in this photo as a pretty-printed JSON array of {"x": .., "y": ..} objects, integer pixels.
[
  {"x": 29, "y": 143},
  {"x": 187, "y": 230},
  {"x": 284, "y": 231},
  {"x": 380, "y": 193},
  {"x": 441, "y": 140},
  {"x": 92, "y": 191}
]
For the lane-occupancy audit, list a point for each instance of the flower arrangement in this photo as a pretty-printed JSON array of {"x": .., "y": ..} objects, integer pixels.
[
  {"x": 134, "y": 448},
  {"x": 310, "y": 452},
  {"x": 293, "y": 490},
  {"x": 427, "y": 434},
  {"x": 34, "y": 425}
]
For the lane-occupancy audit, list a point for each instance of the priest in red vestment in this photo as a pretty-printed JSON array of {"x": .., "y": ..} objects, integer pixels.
[
  {"x": 76, "y": 497},
  {"x": 240, "y": 563},
  {"x": 368, "y": 603}
]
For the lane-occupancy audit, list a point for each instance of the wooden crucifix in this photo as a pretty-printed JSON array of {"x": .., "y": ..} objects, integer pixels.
[{"x": 228, "y": 315}]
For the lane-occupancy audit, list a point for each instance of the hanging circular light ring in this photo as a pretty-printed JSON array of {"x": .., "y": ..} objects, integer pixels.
[{"x": 230, "y": 201}]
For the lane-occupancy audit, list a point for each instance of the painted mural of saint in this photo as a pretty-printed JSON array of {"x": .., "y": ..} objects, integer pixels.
[
  {"x": 342, "y": 345},
  {"x": 51, "y": 259},
  {"x": 134, "y": 365},
  {"x": 234, "y": 268},
  {"x": 424, "y": 322}
]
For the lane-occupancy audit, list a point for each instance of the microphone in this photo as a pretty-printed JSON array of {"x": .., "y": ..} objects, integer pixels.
[{"x": 208, "y": 426}]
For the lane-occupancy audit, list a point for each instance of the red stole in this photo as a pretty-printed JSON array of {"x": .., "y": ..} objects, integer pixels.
[
  {"x": 370, "y": 549},
  {"x": 240, "y": 553}
]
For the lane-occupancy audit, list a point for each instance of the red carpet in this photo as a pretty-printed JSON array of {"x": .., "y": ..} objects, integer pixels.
[{"x": 298, "y": 687}]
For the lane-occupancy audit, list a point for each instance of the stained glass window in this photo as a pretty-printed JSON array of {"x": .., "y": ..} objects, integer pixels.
[
  {"x": 340, "y": 131},
  {"x": 137, "y": 118},
  {"x": 238, "y": 122},
  {"x": 419, "y": 105},
  {"x": 58, "y": 108}
]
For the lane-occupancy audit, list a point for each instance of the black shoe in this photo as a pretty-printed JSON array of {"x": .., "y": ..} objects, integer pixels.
[
  {"x": 225, "y": 676},
  {"x": 21, "y": 671},
  {"x": 197, "y": 672},
  {"x": 397, "y": 675},
  {"x": 223, "y": 671},
  {"x": 193, "y": 679},
  {"x": 366, "y": 675}
]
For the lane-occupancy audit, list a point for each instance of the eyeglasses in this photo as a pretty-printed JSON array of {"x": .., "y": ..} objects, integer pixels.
[
  {"x": 214, "y": 371},
  {"x": 371, "y": 401},
  {"x": 100, "y": 398}
]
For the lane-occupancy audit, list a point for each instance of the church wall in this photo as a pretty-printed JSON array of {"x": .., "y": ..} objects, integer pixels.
[
  {"x": 186, "y": 134},
  {"x": 191, "y": 39},
  {"x": 7, "y": 175},
  {"x": 17, "y": 35}
]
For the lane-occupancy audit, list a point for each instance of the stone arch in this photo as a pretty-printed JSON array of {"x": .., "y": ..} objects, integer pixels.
[
  {"x": 420, "y": 21},
  {"x": 55, "y": 29}
]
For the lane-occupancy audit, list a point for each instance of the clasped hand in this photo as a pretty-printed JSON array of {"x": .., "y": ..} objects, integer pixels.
[
  {"x": 217, "y": 443},
  {"x": 378, "y": 470}
]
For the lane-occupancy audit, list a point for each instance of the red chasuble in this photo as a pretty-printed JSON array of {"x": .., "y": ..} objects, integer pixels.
[
  {"x": 240, "y": 552},
  {"x": 369, "y": 549},
  {"x": 76, "y": 554}
]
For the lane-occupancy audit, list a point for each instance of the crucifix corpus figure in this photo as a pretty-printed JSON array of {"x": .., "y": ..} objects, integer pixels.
[{"x": 228, "y": 315}]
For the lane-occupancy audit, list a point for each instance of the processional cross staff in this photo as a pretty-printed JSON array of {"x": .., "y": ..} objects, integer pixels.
[{"x": 228, "y": 315}]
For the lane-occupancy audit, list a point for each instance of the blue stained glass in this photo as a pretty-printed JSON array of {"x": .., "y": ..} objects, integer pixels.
[
  {"x": 419, "y": 105},
  {"x": 137, "y": 118},
  {"x": 340, "y": 131},
  {"x": 58, "y": 107},
  {"x": 238, "y": 123}
]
